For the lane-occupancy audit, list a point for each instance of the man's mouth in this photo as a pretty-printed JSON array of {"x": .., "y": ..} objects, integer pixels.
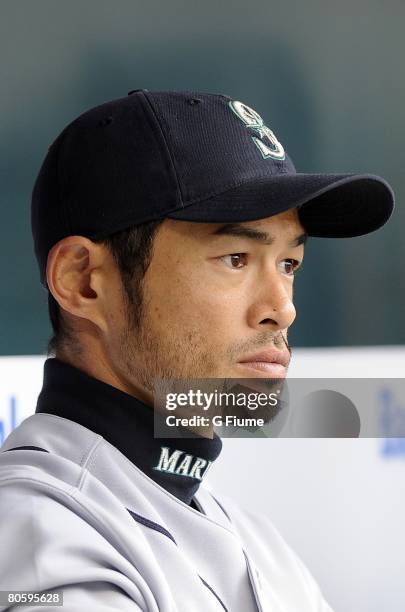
[{"x": 272, "y": 363}]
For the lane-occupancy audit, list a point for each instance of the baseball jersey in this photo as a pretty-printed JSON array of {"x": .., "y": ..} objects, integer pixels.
[{"x": 93, "y": 505}]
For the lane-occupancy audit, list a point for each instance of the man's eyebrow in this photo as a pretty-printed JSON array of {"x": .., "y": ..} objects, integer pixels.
[
  {"x": 236, "y": 229},
  {"x": 301, "y": 239}
]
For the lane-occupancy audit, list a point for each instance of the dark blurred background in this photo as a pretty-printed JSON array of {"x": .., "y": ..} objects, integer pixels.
[{"x": 326, "y": 77}]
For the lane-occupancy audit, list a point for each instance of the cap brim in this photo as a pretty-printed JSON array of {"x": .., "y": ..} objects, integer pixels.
[{"x": 330, "y": 205}]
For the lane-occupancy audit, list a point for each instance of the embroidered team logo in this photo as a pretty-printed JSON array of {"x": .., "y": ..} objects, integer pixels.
[
  {"x": 265, "y": 140},
  {"x": 181, "y": 463}
]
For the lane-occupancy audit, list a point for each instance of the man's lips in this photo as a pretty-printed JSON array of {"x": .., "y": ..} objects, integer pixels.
[
  {"x": 268, "y": 356},
  {"x": 271, "y": 362}
]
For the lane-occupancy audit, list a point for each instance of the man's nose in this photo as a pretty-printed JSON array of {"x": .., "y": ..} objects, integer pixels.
[{"x": 272, "y": 306}]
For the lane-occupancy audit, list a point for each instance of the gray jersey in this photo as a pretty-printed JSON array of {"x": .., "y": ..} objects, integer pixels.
[{"x": 77, "y": 515}]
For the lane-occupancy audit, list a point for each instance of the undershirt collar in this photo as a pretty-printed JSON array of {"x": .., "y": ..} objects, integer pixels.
[{"x": 177, "y": 464}]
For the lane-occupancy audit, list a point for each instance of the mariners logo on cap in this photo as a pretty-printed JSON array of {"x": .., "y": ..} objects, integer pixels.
[{"x": 267, "y": 143}]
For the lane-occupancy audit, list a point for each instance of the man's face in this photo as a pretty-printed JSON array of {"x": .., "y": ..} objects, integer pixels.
[{"x": 213, "y": 296}]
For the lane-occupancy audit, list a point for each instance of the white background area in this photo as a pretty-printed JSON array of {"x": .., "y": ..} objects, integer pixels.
[{"x": 339, "y": 503}]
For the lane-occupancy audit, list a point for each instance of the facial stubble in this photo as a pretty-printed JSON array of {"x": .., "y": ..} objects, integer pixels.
[{"x": 149, "y": 356}]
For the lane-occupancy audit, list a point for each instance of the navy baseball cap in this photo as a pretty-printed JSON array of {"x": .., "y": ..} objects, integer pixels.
[{"x": 189, "y": 156}]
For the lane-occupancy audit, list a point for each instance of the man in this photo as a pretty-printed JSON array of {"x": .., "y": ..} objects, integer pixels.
[{"x": 168, "y": 227}]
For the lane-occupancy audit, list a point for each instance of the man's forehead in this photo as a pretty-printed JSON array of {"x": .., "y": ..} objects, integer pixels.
[
  {"x": 285, "y": 224},
  {"x": 282, "y": 229}
]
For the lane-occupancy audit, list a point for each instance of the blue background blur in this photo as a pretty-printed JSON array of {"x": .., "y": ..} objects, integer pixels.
[{"x": 327, "y": 77}]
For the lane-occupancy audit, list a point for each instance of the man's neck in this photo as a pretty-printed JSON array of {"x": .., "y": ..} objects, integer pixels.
[{"x": 96, "y": 365}]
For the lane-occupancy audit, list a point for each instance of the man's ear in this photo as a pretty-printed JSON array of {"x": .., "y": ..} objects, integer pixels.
[{"x": 76, "y": 278}]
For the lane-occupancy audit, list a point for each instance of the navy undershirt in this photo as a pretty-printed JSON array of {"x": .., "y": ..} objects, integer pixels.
[{"x": 124, "y": 421}]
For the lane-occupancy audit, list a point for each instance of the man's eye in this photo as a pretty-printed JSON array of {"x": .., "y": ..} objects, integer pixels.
[
  {"x": 290, "y": 266},
  {"x": 236, "y": 260}
]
